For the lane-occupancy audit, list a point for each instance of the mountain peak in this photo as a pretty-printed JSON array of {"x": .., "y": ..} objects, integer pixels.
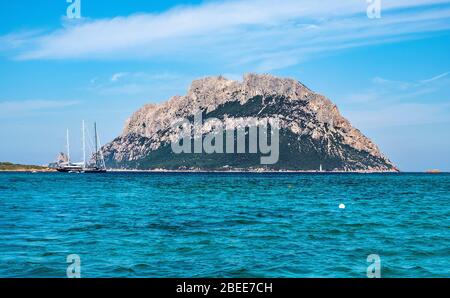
[{"x": 252, "y": 84}]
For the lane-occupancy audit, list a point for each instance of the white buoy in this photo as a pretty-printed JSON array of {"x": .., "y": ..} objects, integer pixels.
[{"x": 341, "y": 206}]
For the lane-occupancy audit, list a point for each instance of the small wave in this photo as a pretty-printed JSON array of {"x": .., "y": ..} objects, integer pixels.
[
  {"x": 42, "y": 271},
  {"x": 204, "y": 242},
  {"x": 49, "y": 254},
  {"x": 86, "y": 228},
  {"x": 239, "y": 272},
  {"x": 335, "y": 232},
  {"x": 122, "y": 269},
  {"x": 141, "y": 266},
  {"x": 241, "y": 222},
  {"x": 184, "y": 249},
  {"x": 164, "y": 227},
  {"x": 109, "y": 205}
]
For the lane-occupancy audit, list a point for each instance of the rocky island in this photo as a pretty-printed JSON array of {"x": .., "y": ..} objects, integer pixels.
[{"x": 313, "y": 135}]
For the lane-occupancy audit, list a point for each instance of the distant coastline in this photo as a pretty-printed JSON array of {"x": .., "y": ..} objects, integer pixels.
[
  {"x": 241, "y": 171},
  {"x": 11, "y": 167}
]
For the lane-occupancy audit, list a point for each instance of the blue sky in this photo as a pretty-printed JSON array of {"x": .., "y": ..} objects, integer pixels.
[{"x": 389, "y": 76}]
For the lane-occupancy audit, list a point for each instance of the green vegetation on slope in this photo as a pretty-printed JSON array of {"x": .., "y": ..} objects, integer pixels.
[{"x": 7, "y": 166}]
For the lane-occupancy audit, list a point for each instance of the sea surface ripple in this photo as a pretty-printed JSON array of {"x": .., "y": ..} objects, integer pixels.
[{"x": 224, "y": 225}]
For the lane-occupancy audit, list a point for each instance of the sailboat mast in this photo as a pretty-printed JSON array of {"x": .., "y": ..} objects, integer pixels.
[
  {"x": 83, "y": 140},
  {"x": 96, "y": 143},
  {"x": 68, "y": 146}
]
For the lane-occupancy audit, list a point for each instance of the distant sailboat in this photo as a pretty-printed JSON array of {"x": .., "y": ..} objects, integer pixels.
[
  {"x": 99, "y": 166},
  {"x": 320, "y": 168},
  {"x": 83, "y": 167}
]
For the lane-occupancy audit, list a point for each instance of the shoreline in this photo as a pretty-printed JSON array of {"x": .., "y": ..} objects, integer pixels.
[
  {"x": 236, "y": 171},
  {"x": 29, "y": 171},
  {"x": 240, "y": 171},
  {"x": 229, "y": 172}
]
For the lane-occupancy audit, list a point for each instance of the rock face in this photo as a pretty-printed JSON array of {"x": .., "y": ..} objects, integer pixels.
[
  {"x": 60, "y": 159},
  {"x": 312, "y": 132}
]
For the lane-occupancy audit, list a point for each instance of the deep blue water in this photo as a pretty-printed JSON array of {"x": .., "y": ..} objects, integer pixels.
[{"x": 224, "y": 225}]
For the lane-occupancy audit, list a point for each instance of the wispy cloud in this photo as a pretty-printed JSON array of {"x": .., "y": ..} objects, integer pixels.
[
  {"x": 136, "y": 83},
  {"x": 383, "y": 89},
  {"x": 435, "y": 78},
  {"x": 13, "y": 108},
  {"x": 401, "y": 114},
  {"x": 430, "y": 84},
  {"x": 248, "y": 31},
  {"x": 390, "y": 103}
]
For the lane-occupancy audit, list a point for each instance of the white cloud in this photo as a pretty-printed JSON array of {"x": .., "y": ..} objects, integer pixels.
[
  {"x": 265, "y": 33},
  {"x": 117, "y": 76}
]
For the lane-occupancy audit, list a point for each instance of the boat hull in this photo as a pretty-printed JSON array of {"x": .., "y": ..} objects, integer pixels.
[
  {"x": 80, "y": 170},
  {"x": 94, "y": 171}
]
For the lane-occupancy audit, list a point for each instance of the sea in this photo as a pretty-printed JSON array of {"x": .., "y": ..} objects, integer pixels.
[{"x": 225, "y": 224}]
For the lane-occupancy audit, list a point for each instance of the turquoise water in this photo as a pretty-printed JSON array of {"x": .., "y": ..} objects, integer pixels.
[{"x": 224, "y": 225}]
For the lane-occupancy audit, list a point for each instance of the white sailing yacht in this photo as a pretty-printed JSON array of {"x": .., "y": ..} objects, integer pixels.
[{"x": 83, "y": 167}]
